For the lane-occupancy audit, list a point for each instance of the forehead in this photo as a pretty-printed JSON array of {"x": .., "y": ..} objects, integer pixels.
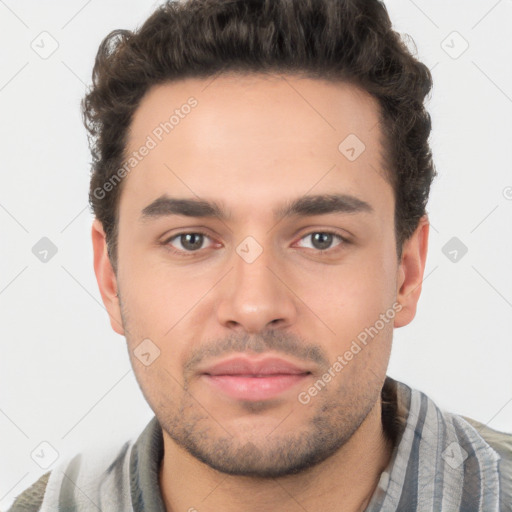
[{"x": 208, "y": 137}]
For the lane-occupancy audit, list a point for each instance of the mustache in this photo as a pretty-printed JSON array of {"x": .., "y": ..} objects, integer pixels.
[{"x": 279, "y": 341}]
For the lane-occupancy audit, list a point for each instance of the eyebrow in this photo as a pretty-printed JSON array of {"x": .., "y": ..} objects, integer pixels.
[{"x": 304, "y": 206}]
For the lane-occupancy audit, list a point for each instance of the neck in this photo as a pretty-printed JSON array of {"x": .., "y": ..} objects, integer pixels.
[{"x": 344, "y": 482}]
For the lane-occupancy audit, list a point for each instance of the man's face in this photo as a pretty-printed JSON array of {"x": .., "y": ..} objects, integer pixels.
[{"x": 254, "y": 285}]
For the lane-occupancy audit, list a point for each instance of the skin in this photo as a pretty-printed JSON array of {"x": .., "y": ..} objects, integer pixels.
[{"x": 253, "y": 143}]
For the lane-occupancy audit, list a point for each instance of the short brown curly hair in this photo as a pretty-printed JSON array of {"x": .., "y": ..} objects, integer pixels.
[{"x": 334, "y": 40}]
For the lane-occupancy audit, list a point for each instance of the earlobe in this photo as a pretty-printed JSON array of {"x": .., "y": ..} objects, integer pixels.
[
  {"x": 410, "y": 272},
  {"x": 106, "y": 277}
]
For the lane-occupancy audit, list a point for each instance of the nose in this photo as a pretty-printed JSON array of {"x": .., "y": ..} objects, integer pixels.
[{"x": 255, "y": 295}]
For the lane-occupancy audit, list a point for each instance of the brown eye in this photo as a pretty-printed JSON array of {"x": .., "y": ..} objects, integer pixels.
[
  {"x": 187, "y": 242},
  {"x": 323, "y": 240},
  {"x": 191, "y": 241}
]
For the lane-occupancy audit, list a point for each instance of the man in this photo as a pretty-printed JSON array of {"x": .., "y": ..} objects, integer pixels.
[{"x": 260, "y": 176}]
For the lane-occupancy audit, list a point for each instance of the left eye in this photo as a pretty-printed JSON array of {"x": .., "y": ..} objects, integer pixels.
[
  {"x": 322, "y": 240},
  {"x": 190, "y": 242}
]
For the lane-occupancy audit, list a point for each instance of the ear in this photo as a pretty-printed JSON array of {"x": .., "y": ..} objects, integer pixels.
[
  {"x": 106, "y": 277},
  {"x": 410, "y": 272}
]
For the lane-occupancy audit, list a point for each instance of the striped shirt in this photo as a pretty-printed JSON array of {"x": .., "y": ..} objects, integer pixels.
[{"x": 440, "y": 462}]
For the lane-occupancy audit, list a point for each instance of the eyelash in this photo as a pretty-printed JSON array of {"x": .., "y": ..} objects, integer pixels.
[{"x": 344, "y": 241}]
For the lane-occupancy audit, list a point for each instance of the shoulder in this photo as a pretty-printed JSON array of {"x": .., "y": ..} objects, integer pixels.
[
  {"x": 30, "y": 499},
  {"x": 100, "y": 474},
  {"x": 487, "y": 474},
  {"x": 79, "y": 481},
  {"x": 501, "y": 443}
]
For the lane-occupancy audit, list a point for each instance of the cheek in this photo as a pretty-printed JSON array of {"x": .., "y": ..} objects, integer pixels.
[
  {"x": 155, "y": 298},
  {"x": 350, "y": 296},
  {"x": 361, "y": 315},
  {"x": 162, "y": 304}
]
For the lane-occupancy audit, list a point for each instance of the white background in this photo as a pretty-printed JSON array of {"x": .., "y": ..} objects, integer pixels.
[{"x": 65, "y": 376}]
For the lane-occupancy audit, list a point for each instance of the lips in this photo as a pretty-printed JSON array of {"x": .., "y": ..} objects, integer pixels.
[
  {"x": 245, "y": 366},
  {"x": 254, "y": 379}
]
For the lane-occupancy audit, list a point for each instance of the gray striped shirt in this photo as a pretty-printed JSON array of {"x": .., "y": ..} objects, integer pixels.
[{"x": 441, "y": 462}]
